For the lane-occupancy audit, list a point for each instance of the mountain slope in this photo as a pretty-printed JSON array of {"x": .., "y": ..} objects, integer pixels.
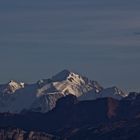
[
  {"x": 113, "y": 92},
  {"x": 101, "y": 119}
]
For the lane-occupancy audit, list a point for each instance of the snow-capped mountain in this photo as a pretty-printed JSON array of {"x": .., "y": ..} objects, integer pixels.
[
  {"x": 42, "y": 95},
  {"x": 113, "y": 92},
  {"x": 11, "y": 87}
]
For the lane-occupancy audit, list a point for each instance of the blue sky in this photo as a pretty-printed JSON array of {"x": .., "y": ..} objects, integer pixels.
[{"x": 97, "y": 38}]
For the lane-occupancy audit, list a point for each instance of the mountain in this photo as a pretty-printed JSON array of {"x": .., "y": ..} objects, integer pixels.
[
  {"x": 70, "y": 83},
  {"x": 101, "y": 119},
  {"x": 68, "y": 112},
  {"x": 113, "y": 92},
  {"x": 41, "y": 96}
]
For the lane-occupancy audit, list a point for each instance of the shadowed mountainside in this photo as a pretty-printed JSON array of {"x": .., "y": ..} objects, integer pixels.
[{"x": 73, "y": 119}]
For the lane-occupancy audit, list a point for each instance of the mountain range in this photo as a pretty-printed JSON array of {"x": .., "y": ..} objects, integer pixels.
[
  {"x": 42, "y": 95},
  {"x": 67, "y": 106}
]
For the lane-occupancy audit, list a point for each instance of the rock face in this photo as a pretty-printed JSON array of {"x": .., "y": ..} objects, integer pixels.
[
  {"x": 121, "y": 130},
  {"x": 19, "y": 134}
]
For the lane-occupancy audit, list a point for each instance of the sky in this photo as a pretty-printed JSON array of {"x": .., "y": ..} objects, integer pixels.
[{"x": 99, "y": 39}]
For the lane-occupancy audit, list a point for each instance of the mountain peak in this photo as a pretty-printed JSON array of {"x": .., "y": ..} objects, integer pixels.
[
  {"x": 119, "y": 91},
  {"x": 12, "y": 86},
  {"x": 12, "y": 83},
  {"x": 63, "y": 75}
]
